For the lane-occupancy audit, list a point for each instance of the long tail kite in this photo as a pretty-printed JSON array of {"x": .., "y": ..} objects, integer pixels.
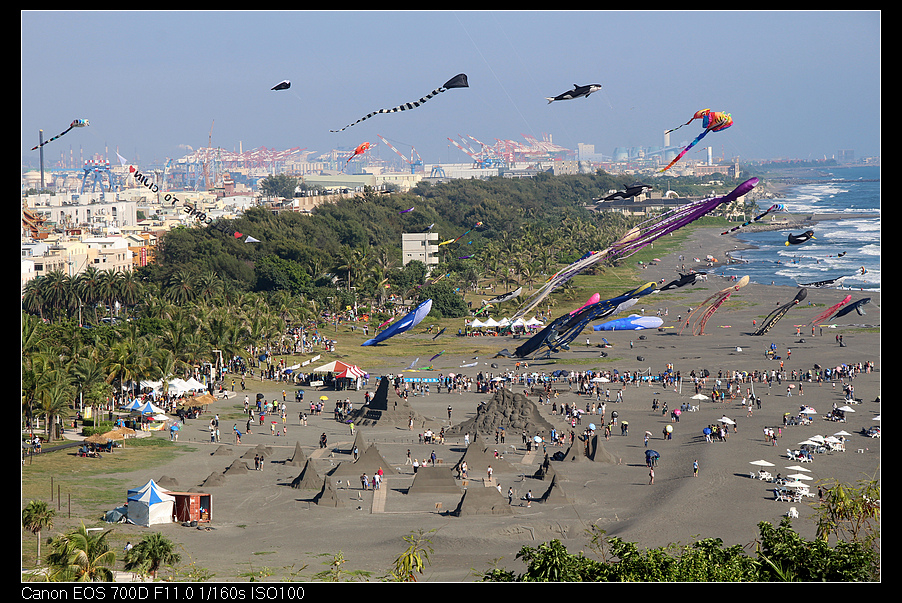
[
  {"x": 713, "y": 121},
  {"x": 772, "y": 208},
  {"x": 458, "y": 81},
  {"x": 76, "y": 123},
  {"x": 636, "y": 239}
]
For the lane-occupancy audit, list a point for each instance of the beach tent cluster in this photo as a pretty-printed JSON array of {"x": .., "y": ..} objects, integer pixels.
[{"x": 491, "y": 323}]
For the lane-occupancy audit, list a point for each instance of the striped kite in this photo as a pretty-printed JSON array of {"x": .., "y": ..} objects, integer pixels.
[
  {"x": 458, "y": 81},
  {"x": 76, "y": 123}
]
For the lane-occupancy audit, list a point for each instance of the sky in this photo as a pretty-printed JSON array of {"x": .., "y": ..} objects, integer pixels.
[{"x": 798, "y": 84}]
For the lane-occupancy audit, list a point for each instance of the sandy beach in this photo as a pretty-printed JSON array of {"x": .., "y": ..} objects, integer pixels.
[{"x": 260, "y": 521}]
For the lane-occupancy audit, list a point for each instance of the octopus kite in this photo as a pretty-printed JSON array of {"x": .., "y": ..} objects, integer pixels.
[
  {"x": 698, "y": 327},
  {"x": 777, "y": 314},
  {"x": 713, "y": 121}
]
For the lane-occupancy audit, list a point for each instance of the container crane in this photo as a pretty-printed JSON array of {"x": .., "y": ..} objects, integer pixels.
[{"x": 415, "y": 162}]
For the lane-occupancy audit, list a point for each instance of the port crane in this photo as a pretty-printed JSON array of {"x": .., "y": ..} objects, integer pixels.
[{"x": 415, "y": 162}]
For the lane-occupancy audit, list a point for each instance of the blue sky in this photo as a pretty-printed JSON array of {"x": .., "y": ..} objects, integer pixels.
[{"x": 798, "y": 84}]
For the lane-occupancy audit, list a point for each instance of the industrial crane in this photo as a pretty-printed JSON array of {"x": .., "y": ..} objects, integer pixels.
[{"x": 415, "y": 164}]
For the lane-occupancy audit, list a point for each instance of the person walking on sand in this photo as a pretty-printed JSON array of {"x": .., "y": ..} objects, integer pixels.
[
  {"x": 695, "y": 468},
  {"x": 651, "y": 475}
]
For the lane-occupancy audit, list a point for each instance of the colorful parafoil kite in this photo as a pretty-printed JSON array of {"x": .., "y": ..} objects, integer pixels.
[
  {"x": 76, "y": 123},
  {"x": 774, "y": 317},
  {"x": 412, "y": 319},
  {"x": 636, "y": 239},
  {"x": 360, "y": 150},
  {"x": 712, "y": 121},
  {"x": 458, "y": 81},
  {"x": 799, "y": 239},
  {"x": 707, "y": 311},
  {"x": 772, "y": 208}
]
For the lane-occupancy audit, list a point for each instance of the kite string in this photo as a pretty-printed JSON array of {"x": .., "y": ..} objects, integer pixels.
[{"x": 497, "y": 79}]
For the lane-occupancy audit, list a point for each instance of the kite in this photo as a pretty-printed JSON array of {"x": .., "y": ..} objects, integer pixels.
[
  {"x": 577, "y": 92},
  {"x": 772, "y": 208},
  {"x": 713, "y": 121},
  {"x": 634, "y": 322},
  {"x": 631, "y": 191},
  {"x": 771, "y": 319},
  {"x": 477, "y": 225},
  {"x": 564, "y": 329},
  {"x": 283, "y": 85},
  {"x": 685, "y": 279},
  {"x": 826, "y": 314},
  {"x": 437, "y": 355},
  {"x": 76, "y": 123},
  {"x": 439, "y": 333},
  {"x": 799, "y": 239},
  {"x": 464, "y": 257},
  {"x": 406, "y": 211},
  {"x": 412, "y": 319},
  {"x": 636, "y": 239},
  {"x": 827, "y": 284},
  {"x": 856, "y": 306},
  {"x": 458, "y": 81},
  {"x": 717, "y": 300},
  {"x": 360, "y": 150},
  {"x": 503, "y": 297},
  {"x": 592, "y": 300}
]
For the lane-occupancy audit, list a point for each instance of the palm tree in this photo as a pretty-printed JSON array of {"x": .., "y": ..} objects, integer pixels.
[
  {"x": 154, "y": 551},
  {"x": 33, "y": 298},
  {"x": 36, "y": 517},
  {"x": 81, "y": 557},
  {"x": 54, "y": 392},
  {"x": 58, "y": 292},
  {"x": 88, "y": 284}
]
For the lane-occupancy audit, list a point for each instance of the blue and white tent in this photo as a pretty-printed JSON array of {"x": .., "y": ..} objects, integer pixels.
[{"x": 150, "y": 505}]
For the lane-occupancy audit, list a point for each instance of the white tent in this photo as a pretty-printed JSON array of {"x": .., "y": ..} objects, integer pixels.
[
  {"x": 476, "y": 324},
  {"x": 490, "y": 322},
  {"x": 150, "y": 505}
]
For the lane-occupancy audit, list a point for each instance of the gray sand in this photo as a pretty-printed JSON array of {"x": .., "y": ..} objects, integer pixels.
[{"x": 261, "y": 521}]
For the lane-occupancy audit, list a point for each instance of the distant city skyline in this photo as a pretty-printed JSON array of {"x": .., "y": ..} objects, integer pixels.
[{"x": 156, "y": 84}]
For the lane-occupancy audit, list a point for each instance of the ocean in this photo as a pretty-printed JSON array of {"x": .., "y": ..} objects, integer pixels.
[{"x": 842, "y": 191}]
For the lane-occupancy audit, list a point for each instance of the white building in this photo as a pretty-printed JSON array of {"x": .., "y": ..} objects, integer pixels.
[{"x": 422, "y": 246}]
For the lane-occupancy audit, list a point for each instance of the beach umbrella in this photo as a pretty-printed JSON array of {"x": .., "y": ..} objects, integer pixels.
[
  {"x": 846, "y": 409},
  {"x": 706, "y": 431},
  {"x": 699, "y": 397},
  {"x": 761, "y": 463},
  {"x": 798, "y": 468},
  {"x": 324, "y": 397},
  {"x": 796, "y": 484},
  {"x": 799, "y": 476},
  {"x": 808, "y": 411}
]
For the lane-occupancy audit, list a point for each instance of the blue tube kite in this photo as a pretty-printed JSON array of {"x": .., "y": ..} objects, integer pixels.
[
  {"x": 634, "y": 322},
  {"x": 411, "y": 320}
]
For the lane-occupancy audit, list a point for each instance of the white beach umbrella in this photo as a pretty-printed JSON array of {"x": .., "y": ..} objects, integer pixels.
[
  {"x": 808, "y": 411},
  {"x": 817, "y": 438},
  {"x": 798, "y": 468},
  {"x": 761, "y": 463},
  {"x": 699, "y": 397},
  {"x": 799, "y": 476},
  {"x": 846, "y": 408},
  {"x": 796, "y": 484},
  {"x": 842, "y": 433}
]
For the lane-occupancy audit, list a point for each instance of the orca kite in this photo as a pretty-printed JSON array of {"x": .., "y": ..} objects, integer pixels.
[
  {"x": 631, "y": 191},
  {"x": 577, "y": 92}
]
